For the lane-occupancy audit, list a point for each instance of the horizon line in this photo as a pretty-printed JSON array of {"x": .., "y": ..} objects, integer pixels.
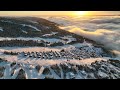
[{"x": 51, "y": 15}]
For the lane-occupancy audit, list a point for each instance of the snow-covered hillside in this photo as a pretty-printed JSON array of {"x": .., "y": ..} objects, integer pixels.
[
  {"x": 35, "y": 48},
  {"x": 85, "y": 69},
  {"x": 57, "y": 63}
]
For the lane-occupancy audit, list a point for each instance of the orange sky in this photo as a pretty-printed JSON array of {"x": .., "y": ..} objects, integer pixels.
[{"x": 35, "y": 13}]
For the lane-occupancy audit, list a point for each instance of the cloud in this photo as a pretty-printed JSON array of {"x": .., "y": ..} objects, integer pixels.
[
  {"x": 110, "y": 39},
  {"x": 104, "y": 30},
  {"x": 106, "y": 20}
]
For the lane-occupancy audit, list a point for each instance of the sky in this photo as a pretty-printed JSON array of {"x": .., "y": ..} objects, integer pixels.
[{"x": 36, "y": 13}]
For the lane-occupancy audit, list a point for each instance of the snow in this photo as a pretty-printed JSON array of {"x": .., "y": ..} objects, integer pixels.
[
  {"x": 28, "y": 49},
  {"x": 31, "y": 73},
  {"x": 102, "y": 74},
  {"x": 1, "y": 29},
  {"x": 28, "y": 64},
  {"x": 33, "y": 21},
  {"x": 34, "y": 39},
  {"x": 30, "y": 27},
  {"x": 50, "y": 62},
  {"x": 51, "y": 34},
  {"x": 51, "y": 40},
  {"x": 69, "y": 39},
  {"x": 24, "y": 31},
  {"x": 29, "y": 67},
  {"x": 6, "y": 21}
]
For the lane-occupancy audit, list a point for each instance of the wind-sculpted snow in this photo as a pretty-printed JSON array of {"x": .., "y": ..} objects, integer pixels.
[{"x": 103, "y": 69}]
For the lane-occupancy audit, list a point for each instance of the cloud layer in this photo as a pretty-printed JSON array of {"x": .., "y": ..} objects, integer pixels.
[
  {"x": 105, "y": 30},
  {"x": 110, "y": 39}
]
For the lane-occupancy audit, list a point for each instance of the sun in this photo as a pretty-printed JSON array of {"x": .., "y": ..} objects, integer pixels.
[{"x": 81, "y": 13}]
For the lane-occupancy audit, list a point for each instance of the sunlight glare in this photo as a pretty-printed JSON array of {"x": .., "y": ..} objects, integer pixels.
[{"x": 81, "y": 13}]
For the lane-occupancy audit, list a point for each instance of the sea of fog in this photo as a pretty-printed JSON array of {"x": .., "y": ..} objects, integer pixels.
[{"x": 102, "y": 29}]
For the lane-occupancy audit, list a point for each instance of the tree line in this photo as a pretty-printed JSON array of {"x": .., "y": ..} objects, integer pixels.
[
  {"x": 22, "y": 43},
  {"x": 12, "y": 43}
]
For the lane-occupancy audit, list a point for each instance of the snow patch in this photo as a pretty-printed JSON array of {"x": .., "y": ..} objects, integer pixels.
[
  {"x": 24, "y": 25},
  {"x": 34, "y": 39},
  {"x": 33, "y": 21},
  {"x": 68, "y": 38},
  {"x": 1, "y": 29},
  {"x": 51, "y": 34},
  {"x": 24, "y": 31},
  {"x": 6, "y": 21}
]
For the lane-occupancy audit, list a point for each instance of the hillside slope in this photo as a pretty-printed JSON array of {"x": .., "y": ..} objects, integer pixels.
[{"x": 33, "y": 47}]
